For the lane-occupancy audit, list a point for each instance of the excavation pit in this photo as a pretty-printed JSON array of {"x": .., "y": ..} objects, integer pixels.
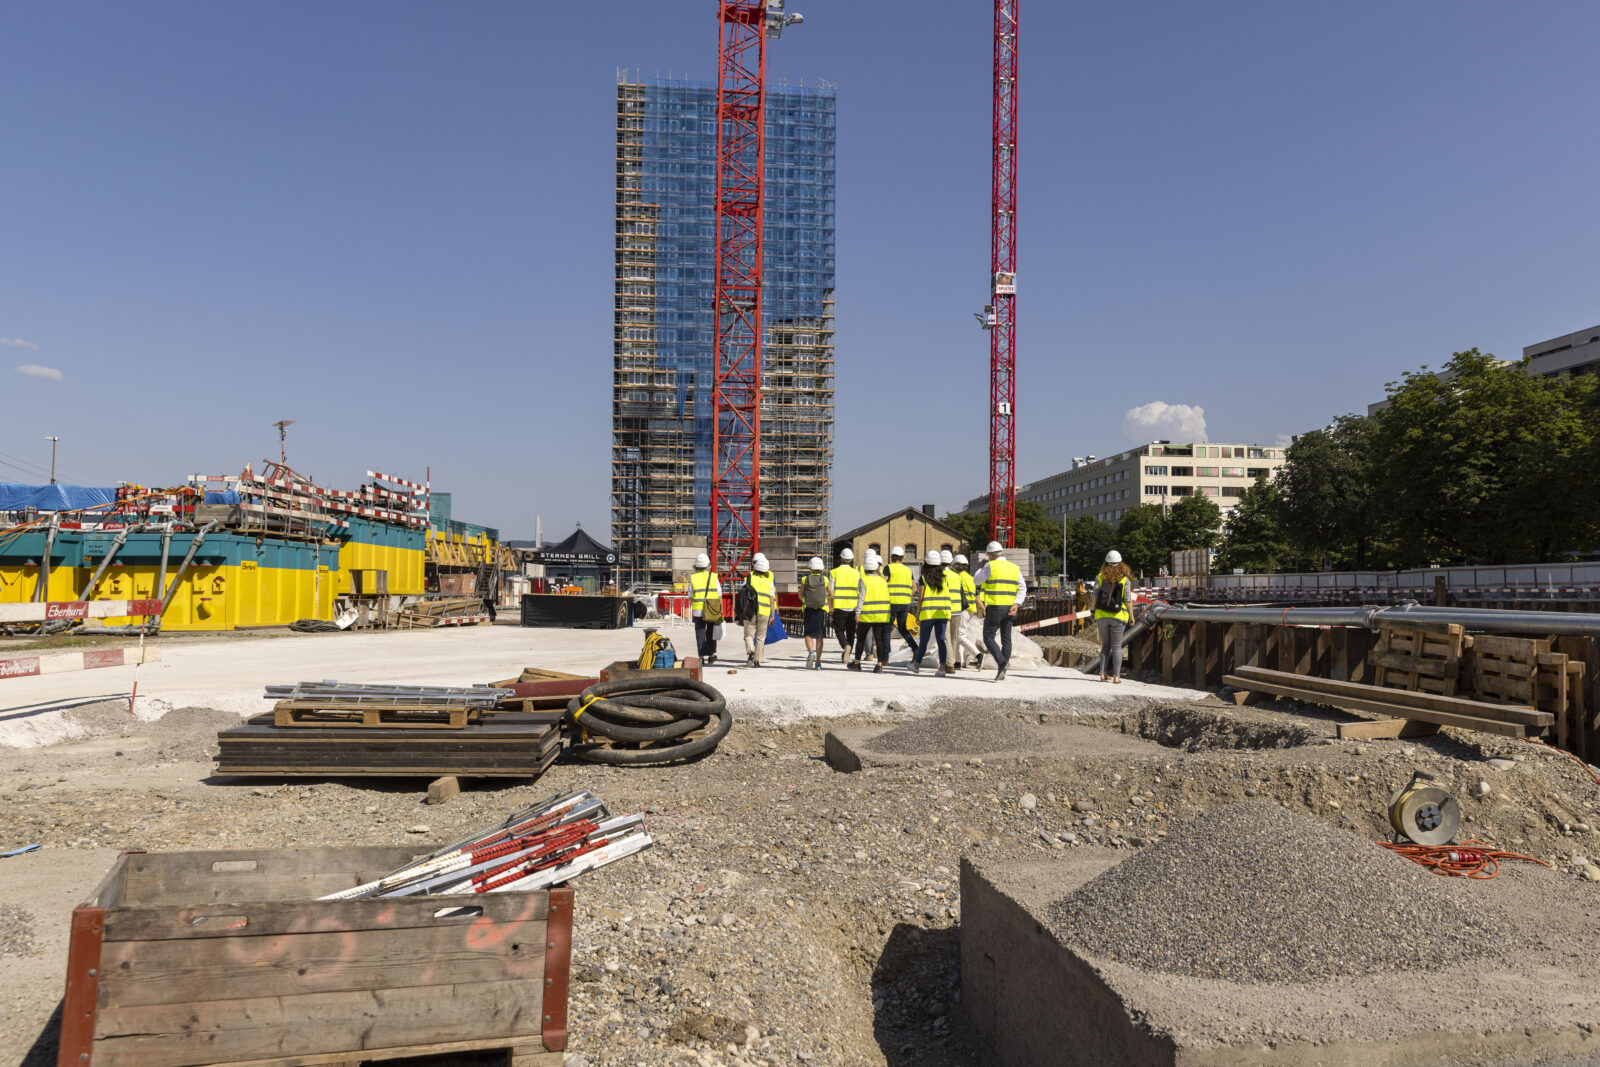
[
  {"x": 1524, "y": 994},
  {"x": 962, "y": 734}
]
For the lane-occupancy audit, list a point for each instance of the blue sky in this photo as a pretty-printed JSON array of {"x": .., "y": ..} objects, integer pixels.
[{"x": 391, "y": 222}]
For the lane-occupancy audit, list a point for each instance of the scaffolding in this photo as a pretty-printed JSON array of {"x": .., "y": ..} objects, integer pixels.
[{"x": 664, "y": 333}]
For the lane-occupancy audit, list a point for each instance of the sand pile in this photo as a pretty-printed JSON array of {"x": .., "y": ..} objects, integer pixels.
[
  {"x": 961, "y": 731},
  {"x": 1257, "y": 893}
]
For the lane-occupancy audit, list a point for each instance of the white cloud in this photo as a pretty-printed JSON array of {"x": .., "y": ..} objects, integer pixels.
[
  {"x": 1284, "y": 440},
  {"x": 33, "y": 370},
  {"x": 1159, "y": 420},
  {"x": 17, "y": 342}
]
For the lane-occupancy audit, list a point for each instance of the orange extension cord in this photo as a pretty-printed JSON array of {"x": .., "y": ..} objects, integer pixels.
[{"x": 1470, "y": 859}]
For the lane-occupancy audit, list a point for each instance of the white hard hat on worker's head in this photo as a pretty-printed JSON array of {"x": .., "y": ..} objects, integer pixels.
[
  {"x": 932, "y": 559},
  {"x": 761, "y": 564},
  {"x": 945, "y": 557},
  {"x": 994, "y": 548},
  {"x": 961, "y": 560},
  {"x": 846, "y": 554},
  {"x": 816, "y": 563},
  {"x": 1113, "y": 556},
  {"x": 871, "y": 563},
  {"x": 702, "y": 560},
  {"x": 758, "y": 558},
  {"x": 898, "y": 550}
]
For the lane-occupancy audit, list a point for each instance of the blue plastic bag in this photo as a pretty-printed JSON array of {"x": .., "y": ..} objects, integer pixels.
[{"x": 775, "y": 631}]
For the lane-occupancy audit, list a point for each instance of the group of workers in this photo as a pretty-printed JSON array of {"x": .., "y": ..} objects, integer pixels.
[{"x": 864, "y": 604}]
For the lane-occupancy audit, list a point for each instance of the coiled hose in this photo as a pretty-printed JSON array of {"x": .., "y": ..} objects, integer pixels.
[{"x": 645, "y": 720}]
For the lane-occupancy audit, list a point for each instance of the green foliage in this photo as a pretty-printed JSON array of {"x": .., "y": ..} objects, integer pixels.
[
  {"x": 1036, "y": 532},
  {"x": 1143, "y": 539},
  {"x": 1480, "y": 463},
  {"x": 1087, "y": 541},
  {"x": 1195, "y": 521},
  {"x": 1254, "y": 541}
]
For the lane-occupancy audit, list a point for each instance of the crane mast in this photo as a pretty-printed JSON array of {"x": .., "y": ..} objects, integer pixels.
[
  {"x": 1000, "y": 318},
  {"x": 744, "y": 26}
]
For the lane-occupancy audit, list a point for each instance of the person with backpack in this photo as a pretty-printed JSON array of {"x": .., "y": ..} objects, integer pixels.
[
  {"x": 705, "y": 603},
  {"x": 815, "y": 589},
  {"x": 933, "y": 610},
  {"x": 755, "y": 609},
  {"x": 872, "y": 621},
  {"x": 844, "y": 601},
  {"x": 1112, "y": 614},
  {"x": 902, "y": 585}
]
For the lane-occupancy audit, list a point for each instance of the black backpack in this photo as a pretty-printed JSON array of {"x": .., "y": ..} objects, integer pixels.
[
  {"x": 744, "y": 603},
  {"x": 1108, "y": 596}
]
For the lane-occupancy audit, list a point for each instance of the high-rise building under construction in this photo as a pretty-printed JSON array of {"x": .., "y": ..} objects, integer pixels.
[{"x": 661, "y": 445}]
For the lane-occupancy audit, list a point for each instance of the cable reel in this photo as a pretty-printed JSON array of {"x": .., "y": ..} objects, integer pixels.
[{"x": 1424, "y": 814}]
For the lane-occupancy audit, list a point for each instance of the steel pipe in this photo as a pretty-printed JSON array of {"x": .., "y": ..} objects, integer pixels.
[{"x": 1495, "y": 619}]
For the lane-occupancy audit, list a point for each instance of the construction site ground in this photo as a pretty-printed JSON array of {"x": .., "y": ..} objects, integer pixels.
[{"x": 789, "y": 913}]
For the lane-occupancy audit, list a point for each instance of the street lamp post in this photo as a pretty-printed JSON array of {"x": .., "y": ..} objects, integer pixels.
[{"x": 52, "y": 439}]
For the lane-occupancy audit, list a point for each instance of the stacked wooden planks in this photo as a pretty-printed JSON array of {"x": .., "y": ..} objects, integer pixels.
[
  {"x": 1531, "y": 671},
  {"x": 443, "y": 611},
  {"x": 499, "y": 744},
  {"x": 1396, "y": 704}
]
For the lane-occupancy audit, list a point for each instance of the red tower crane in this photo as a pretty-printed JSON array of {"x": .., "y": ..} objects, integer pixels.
[
  {"x": 744, "y": 26},
  {"x": 1000, "y": 317}
]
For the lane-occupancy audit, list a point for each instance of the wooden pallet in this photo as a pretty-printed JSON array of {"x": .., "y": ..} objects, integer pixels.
[
  {"x": 500, "y": 745},
  {"x": 1503, "y": 668},
  {"x": 394, "y": 716},
  {"x": 1418, "y": 656}
]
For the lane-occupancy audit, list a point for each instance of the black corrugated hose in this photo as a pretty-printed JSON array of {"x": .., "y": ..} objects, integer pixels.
[
  {"x": 646, "y": 720},
  {"x": 314, "y": 626}
]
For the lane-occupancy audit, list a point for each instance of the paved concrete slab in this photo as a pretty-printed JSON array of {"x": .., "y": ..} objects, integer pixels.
[
  {"x": 850, "y": 749},
  {"x": 1037, "y": 1000}
]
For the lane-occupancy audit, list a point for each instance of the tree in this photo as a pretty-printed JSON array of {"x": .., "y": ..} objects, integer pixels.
[
  {"x": 1143, "y": 540},
  {"x": 1254, "y": 540},
  {"x": 1327, "y": 510},
  {"x": 1036, "y": 532},
  {"x": 1194, "y": 521},
  {"x": 1087, "y": 541}
]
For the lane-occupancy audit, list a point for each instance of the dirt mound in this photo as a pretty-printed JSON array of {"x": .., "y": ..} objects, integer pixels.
[
  {"x": 1257, "y": 893},
  {"x": 962, "y": 731}
]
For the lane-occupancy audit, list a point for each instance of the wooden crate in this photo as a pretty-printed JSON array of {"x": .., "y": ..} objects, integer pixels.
[
  {"x": 1419, "y": 656},
  {"x": 227, "y": 958},
  {"x": 629, "y": 668},
  {"x": 1503, "y": 668}
]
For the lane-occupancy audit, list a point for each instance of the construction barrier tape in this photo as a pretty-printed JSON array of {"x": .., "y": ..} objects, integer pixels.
[{"x": 1038, "y": 623}]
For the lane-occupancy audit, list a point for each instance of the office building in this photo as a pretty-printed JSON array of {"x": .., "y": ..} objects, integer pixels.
[
  {"x": 1566, "y": 356},
  {"x": 664, "y": 334},
  {"x": 1157, "y": 473}
]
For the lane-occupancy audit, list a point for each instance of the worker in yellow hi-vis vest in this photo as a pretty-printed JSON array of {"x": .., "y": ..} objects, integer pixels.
[
  {"x": 1002, "y": 590},
  {"x": 902, "y": 585},
  {"x": 755, "y": 627},
  {"x": 705, "y": 604},
  {"x": 933, "y": 609},
  {"x": 843, "y": 601}
]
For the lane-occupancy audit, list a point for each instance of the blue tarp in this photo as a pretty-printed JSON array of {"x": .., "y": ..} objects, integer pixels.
[
  {"x": 229, "y": 497},
  {"x": 15, "y": 497}
]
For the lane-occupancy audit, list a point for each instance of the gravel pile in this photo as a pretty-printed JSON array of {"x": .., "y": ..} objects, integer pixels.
[
  {"x": 16, "y": 932},
  {"x": 962, "y": 731},
  {"x": 1257, "y": 893}
]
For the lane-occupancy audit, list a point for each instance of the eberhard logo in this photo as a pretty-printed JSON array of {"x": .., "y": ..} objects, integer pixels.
[
  {"x": 66, "y": 609},
  {"x": 20, "y": 667}
]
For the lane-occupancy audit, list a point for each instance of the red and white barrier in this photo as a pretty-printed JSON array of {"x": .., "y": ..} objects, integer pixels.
[
  {"x": 52, "y": 610},
  {"x": 1041, "y": 623},
  {"x": 61, "y": 662}
]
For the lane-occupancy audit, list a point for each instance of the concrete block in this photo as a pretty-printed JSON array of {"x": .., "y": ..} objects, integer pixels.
[{"x": 442, "y": 789}]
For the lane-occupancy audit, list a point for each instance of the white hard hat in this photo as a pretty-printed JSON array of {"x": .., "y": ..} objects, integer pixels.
[
  {"x": 846, "y": 554},
  {"x": 898, "y": 550},
  {"x": 871, "y": 564},
  {"x": 933, "y": 558},
  {"x": 761, "y": 563},
  {"x": 702, "y": 560},
  {"x": 994, "y": 548},
  {"x": 816, "y": 563},
  {"x": 1113, "y": 556},
  {"x": 961, "y": 560},
  {"x": 759, "y": 557},
  {"x": 945, "y": 556}
]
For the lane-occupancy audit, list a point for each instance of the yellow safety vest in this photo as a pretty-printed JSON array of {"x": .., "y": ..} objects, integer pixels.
[
  {"x": 875, "y": 608},
  {"x": 845, "y": 580},
  {"x": 935, "y": 605},
  {"x": 1000, "y": 588},
  {"x": 762, "y": 584},
  {"x": 901, "y": 585},
  {"x": 970, "y": 590},
  {"x": 1125, "y": 615},
  {"x": 704, "y": 585}
]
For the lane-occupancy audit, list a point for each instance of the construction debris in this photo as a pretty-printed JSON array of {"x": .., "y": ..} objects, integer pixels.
[{"x": 544, "y": 845}]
